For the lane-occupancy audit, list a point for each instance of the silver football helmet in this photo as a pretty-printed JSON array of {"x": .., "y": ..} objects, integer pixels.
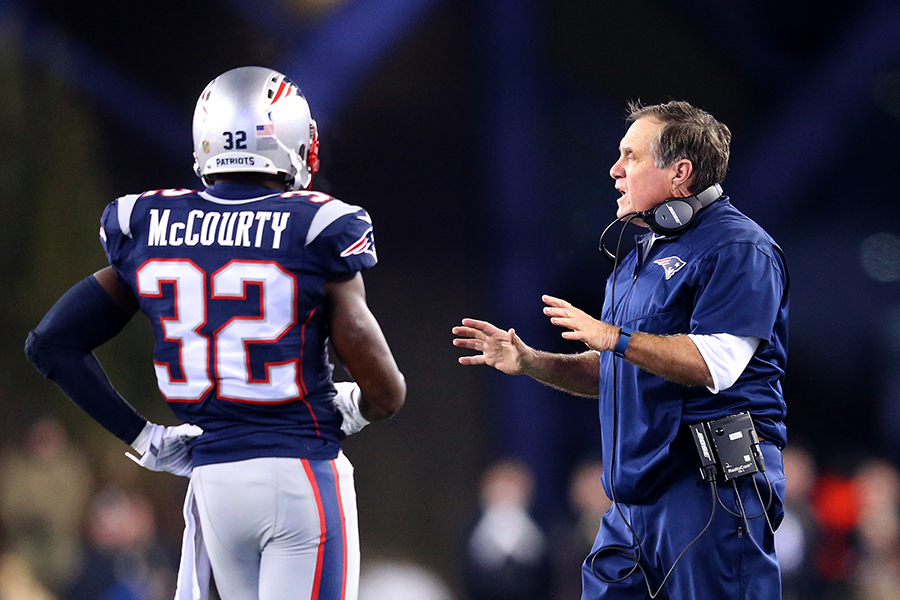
[{"x": 255, "y": 120}]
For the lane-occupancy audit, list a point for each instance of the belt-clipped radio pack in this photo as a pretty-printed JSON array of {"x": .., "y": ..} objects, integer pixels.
[{"x": 728, "y": 447}]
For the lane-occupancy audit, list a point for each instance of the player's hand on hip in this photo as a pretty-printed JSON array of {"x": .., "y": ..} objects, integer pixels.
[
  {"x": 595, "y": 334},
  {"x": 347, "y": 402},
  {"x": 166, "y": 448},
  {"x": 503, "y": 350}
]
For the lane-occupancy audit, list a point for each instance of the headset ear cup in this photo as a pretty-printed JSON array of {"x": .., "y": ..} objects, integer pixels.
[
  {"x": 675, "y": 215},
  {"x": 672, "y": 216}
]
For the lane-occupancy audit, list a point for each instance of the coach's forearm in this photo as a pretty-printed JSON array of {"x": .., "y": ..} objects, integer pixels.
[
  {"x": 674, "y": 357},
  {"x": 576, "y": 374}
]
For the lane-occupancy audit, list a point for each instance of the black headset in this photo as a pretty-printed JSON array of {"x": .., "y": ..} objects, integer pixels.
[
  {"x": 674, "y": 215},
  {"x": 670, "y": 217}
]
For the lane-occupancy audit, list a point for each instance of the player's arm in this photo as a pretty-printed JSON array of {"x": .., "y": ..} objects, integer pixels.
[
  {"x": 360, "y": 344},
  {"x": 117, "y": 291},
  {"x": 505, "y": 351},
  {"x": 61, "y": 347}
]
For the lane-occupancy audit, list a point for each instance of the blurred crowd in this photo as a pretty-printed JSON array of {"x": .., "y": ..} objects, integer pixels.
[
  {"x": 839, "y": 540},
  {"x": 71, "y": 531}
]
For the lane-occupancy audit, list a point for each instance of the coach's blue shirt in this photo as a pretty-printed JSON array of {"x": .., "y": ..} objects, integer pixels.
[{"x": 724, "y": 275}]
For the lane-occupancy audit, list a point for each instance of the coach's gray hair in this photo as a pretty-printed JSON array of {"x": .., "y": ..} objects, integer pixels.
[{"x": 688, "y": 133}]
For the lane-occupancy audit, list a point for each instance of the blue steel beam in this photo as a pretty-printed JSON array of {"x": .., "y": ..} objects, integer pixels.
[{"x": 526, "y": 414}]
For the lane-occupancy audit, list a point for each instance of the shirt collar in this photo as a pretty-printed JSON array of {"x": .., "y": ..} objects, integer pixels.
[{"x": 231, "y": 190}]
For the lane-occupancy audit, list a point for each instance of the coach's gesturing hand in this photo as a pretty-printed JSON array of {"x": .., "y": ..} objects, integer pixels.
[
  {"x": 503, "y": 350},
  {"x": 595, "y": 334},
  {"x": 506, "y": 352}
]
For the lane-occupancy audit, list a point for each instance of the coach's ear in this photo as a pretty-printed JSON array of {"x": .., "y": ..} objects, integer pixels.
[{"x": 681, "y": 173}]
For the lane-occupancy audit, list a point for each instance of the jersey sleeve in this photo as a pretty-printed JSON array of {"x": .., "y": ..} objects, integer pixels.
[
  {"x": 342, "y": 239},
  {"x": 115, "y": 229},
  {"x": 742, "y": 289}
]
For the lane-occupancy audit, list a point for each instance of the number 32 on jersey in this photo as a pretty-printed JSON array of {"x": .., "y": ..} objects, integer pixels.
[{"x": 278, "y": 295}]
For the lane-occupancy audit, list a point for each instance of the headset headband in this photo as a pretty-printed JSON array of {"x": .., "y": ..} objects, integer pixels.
[{"x": 709, "y": 195}]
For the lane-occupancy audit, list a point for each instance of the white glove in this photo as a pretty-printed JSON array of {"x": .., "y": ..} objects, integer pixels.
[
  {"x": 165, "y": 448},
  {"x": 347, "y": 401}
]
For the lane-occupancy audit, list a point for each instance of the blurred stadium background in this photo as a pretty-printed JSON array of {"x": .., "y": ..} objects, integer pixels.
[{"x": 478, "y": 134}]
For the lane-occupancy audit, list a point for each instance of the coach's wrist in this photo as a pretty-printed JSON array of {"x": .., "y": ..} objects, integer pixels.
[
  {"x": 622, "y": 341},
  {"x": 533, "y": 363}
]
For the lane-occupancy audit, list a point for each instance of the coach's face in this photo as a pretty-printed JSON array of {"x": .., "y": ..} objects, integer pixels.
[{"x": 642, "y": 184}]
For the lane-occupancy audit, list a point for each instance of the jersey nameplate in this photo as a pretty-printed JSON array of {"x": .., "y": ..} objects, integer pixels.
[{"x": 247, "y": 228}]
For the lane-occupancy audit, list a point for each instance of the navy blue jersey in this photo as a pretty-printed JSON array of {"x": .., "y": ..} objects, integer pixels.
[
  {"x": 724, "y": 275},
  {"x": 232, "y": 280}
]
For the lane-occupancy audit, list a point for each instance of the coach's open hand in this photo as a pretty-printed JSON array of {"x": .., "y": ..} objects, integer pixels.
[
  {"x": 503, "y": 350},
  {"x": 595, "y": 334}
]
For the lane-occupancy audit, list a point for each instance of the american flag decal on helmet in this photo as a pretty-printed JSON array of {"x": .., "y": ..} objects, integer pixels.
[
  {"x": 364, "y": 245},
  {"x": 671, "y": 264}
]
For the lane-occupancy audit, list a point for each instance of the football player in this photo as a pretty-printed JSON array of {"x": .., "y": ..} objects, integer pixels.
[{"x": 244, "y": 283}]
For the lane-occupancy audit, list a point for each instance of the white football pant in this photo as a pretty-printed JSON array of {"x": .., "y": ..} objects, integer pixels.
[{"x": 280, "y": 528}]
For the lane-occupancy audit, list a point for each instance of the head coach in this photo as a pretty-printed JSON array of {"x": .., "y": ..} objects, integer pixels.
[{"x": 687, "y": 360}]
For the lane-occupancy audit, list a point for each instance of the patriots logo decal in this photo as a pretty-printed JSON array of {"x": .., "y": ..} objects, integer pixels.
[
  {"x": 671, "y": 264},
  {"x": 364, "y": 245}
]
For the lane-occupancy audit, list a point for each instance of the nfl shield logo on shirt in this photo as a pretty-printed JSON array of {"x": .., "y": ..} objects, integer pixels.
[{"x": 671, "y": 264}]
